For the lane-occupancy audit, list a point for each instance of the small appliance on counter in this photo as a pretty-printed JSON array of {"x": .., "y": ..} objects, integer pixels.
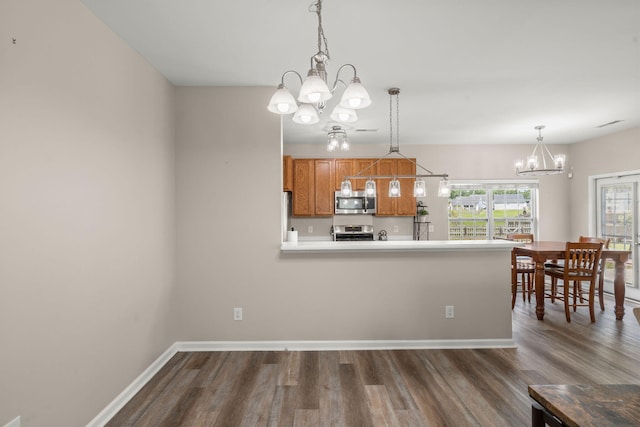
[{"x": 352, "y": 228}]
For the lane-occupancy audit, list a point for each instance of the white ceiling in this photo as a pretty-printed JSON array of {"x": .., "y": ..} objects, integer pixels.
[{"x": 470, "y": 72}]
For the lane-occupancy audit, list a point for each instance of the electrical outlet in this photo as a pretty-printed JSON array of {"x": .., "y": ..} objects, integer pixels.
[
  {"x": 430, "y": 228},
  {"x": 448, "y": 312},
  {"x": 237, "y": 313},
  {"x": 395, "y": 228},
  {"x": 310, "y": 229}
]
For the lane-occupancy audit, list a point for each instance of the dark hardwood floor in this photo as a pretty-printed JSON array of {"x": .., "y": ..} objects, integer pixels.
[{"x": 484, "y": 387}]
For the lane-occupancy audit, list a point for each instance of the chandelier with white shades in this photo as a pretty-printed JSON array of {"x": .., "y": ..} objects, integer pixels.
[{"x": 314, "y": 92}]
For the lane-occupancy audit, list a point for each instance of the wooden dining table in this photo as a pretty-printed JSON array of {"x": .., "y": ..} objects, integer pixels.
[{"x": 543, "y": 251}]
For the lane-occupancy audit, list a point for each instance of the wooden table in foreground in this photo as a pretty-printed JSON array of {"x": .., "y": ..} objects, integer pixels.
[
  {"x": 599, "y": 405},
  {"x": 542, "y": 251}
]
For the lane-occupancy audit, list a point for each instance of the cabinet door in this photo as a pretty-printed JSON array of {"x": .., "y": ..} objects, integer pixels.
[
  {"x": 386, "y": 205},
  {"x": 324, "y": 185},
  {"x": 360, "y": 165},
  {"x": 343, "y": 167},
  {"x": 287, "y": 173},
  {"x": 303, "y": 187},
  {"x": 406, "y": 204}
]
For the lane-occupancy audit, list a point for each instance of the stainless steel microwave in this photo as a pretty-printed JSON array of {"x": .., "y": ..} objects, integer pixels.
[{"x": 356, "y": 203}]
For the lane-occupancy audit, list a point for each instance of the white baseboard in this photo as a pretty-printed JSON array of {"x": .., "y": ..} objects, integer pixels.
[
  {"x": 14, "y": 423},
  {"x": 127, "y": 394},
  {"x": 339, "y": 345}
]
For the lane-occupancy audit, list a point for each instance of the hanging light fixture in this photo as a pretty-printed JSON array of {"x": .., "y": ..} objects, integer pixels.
[
  {"x": 536, "y": 164},
  {"x": 314, "y": 91},
  {"x": 419, "y": 188},
  {"x": 337, "y": 138}
]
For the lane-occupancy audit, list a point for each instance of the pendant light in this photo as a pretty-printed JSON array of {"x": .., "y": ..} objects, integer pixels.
[
  {"x": 314, "y": 91},
  {"x": 394, "y": 190}
]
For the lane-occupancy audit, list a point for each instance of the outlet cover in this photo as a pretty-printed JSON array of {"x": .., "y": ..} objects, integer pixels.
[
  {"x": 237, "y": 313},
  {"x": 448, "y": 312}
]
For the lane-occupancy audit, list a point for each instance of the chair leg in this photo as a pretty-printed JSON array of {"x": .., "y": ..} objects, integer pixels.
[
  {"x": 601, "y": 288},
  {"x": 567, "y": 312},
  {"x": 591, "y": 302}
]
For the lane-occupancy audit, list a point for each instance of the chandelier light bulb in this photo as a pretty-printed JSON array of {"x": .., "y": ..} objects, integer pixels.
[
  {"x": 344, "y": 115},
  {"x": 532, "y": 162},
  {"x": 559, "y": 161},
  {"x": 355, "y": 96},
  {"x": 345, "y": 188},
  {"x": 370, "y": 188},
  {"x": 419, "y": 189},
  {"x": 394, "y": 188},
  {"x": 306, "y": 114},
  {"x": 282, "y": 102}
]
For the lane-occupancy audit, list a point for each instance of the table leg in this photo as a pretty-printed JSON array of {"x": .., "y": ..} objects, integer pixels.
[
  {"x": 537, "y": 415},
  {"x": 619, "y": 289},
  {"x": 539, "y": 278}
]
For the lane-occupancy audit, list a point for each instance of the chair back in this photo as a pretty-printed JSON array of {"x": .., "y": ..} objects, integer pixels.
[
  {"x": 521, "y": 237},
  {"x": 581, "y": 260},
  {"x": 588, "y": 239}
]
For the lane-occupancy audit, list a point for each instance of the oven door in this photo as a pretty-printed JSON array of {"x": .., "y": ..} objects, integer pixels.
[{"x": 353, "y": 237}]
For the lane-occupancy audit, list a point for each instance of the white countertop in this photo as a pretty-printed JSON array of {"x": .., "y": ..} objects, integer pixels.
[{"x": 398, "y": 246}]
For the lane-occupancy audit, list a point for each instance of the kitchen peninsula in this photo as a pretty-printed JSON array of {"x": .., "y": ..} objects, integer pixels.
[
  {"x": 399, "y": 246},
  {"x": 427, "y": 294}
]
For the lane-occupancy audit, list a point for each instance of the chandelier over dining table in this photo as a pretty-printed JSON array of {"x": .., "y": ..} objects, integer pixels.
[
  {"x": 540, "y": 161},
  {"x": 314, "y": 91}
]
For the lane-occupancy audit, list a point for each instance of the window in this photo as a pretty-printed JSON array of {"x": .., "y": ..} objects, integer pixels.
[{"x": 487, "y": 210}]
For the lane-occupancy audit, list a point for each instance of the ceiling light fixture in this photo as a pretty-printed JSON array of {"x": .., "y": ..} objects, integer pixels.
[
  {"x": 419, "y": 189},
  {"x": 536, "y": 164},
  {"x": 314, "y": 92},
  {"x": 337, "y": 139}
]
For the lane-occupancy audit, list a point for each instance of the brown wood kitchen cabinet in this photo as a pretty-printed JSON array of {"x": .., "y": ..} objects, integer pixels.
[
  {"x": 287, "y": 173},
  {"x": 313, "y": 187},
  {"x": 360, "y": 165},
  {"x": 343, "y": 167},
  {"x": 405, "y": 205}
]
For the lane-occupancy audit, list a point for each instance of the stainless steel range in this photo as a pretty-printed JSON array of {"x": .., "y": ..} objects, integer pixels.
[
  {"x": 352, "y": 227},
  {"x": 343, "y": 233}
]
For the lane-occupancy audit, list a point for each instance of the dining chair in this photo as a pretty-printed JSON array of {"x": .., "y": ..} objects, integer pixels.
[
  {"x": 581, "y": 263},
  {"x": 522, "y": 270},
  {"x": 605, "y": 245}
]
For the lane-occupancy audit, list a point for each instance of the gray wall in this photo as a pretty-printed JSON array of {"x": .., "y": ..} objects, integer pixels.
[
  {"x": 611, "y": 154},
  {"x": 86, "y": 219}
]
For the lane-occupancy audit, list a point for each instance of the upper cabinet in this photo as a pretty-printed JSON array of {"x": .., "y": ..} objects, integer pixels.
[
  {"x": 287, "y": 173},
  {"x": 316, "y": 180},
  {"x": 405, "y": 205},
  {"x": 313, "y": 187}
]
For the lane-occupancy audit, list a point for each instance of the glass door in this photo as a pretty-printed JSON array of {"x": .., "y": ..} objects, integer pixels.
[{"x": 617, "y": 219}]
